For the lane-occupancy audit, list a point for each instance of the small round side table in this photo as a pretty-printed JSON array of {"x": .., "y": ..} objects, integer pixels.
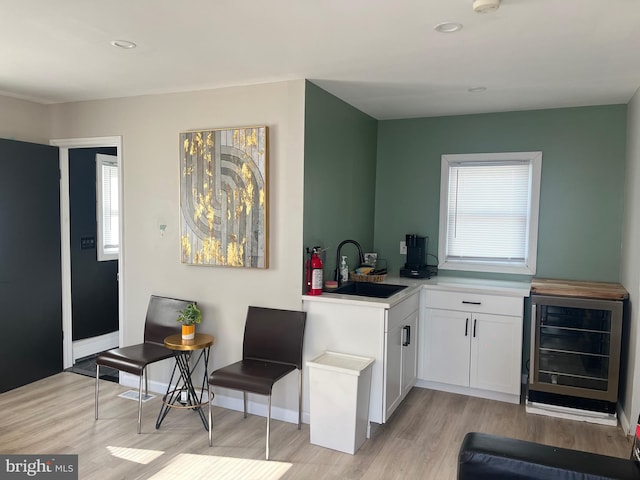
[{"x": 183, "y": 394}]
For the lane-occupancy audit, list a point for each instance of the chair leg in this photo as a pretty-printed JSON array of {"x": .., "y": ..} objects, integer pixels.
[
  {"x": 97, "y": 380},
  {"x": 244, "y": 398},
  {"x": 140, "y": 403},
  {"x": 300, "y": 399},
  {"x": 268, "y": 424},
  {"x": 210, "y": 416},
  {"x": 146, "y": 382}
]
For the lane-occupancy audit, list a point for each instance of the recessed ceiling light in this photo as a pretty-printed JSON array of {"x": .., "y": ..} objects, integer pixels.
[
  {"x": 448, "y": 27},
  {"x": 126, "y": 44},
  {"x": 477, "y": 89}
]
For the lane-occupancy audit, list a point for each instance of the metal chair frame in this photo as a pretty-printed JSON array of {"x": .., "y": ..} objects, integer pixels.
[
  {"x": 160, "y": 322},
  {"x": 266, "y": 355}
]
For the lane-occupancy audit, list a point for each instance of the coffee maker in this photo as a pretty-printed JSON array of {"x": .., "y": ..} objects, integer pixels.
[{"x": 416, "y": 265}]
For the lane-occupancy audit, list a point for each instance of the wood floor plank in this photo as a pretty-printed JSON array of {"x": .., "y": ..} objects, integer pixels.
[{"x": 56, "y": 415}]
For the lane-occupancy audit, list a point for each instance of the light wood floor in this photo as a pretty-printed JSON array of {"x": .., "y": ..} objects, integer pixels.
[{"x": 55, "y": 415}]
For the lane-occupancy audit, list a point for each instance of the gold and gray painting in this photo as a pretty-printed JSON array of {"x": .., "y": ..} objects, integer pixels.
[{"x": 223, "y": 197}]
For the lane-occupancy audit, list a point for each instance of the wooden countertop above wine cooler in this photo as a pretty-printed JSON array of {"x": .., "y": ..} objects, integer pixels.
[{"x": 574, "y": 288}]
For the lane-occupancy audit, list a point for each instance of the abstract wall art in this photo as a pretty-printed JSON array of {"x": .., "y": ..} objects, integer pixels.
[{"x": 224, "y": 197}]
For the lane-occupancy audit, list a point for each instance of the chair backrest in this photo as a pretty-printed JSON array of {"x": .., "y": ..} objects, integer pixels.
[
  {"x": 274, "y": 335},
  {"x": 162, "y": 316}
]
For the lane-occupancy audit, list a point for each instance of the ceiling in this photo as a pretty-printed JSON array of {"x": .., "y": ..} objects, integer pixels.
[{"x": 381, "y": 56}]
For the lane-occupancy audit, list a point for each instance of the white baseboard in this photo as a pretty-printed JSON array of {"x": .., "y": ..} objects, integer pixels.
[
  {"x": 472, "y": 392},
  {"x": 89, "y": 346},
  {"x": 225, "y": 401}
]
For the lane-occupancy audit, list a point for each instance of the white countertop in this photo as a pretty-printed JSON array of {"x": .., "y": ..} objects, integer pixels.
[
  {"x": 448, "y": 283},
  {"x": 394, "y": 299},
  {"x": 478, "y": 285}
]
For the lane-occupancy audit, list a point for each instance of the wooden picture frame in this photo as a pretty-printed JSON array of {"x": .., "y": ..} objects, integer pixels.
[{"x": 224, "y": 197}]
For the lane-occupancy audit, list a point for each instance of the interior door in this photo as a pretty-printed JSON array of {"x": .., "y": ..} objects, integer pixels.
[
  {"x": 30, "y": 269},
  {"x": 94, "y": 282}
]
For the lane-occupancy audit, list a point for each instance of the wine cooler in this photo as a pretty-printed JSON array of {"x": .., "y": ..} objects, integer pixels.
[{"x": 575, "y": 353}]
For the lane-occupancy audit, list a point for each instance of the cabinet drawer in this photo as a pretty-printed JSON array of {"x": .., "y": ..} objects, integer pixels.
[
  {"x": 474, "y": 302},
  {"x": 398, "y": 313}
]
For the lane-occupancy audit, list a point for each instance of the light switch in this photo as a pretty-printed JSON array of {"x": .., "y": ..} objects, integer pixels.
[
  {"x": 87, "y": 243},
  {"x": 403, "y": 247}
]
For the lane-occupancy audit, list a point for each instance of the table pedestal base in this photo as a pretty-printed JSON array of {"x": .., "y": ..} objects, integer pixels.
[{"x": 184, "y": 395}]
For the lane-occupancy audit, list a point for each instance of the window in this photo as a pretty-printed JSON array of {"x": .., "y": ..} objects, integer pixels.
[
  {"x": 489, "y": 212},
  {"x": 107, "y": 211}
]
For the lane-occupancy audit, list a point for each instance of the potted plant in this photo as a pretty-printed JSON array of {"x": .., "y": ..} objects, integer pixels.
[{"x": 189, "y": 317}]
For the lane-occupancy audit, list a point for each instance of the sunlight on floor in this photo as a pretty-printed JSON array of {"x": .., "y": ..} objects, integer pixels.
[
  {"x": 137, "y": 455},
  {"x": 195, "y": 467}
]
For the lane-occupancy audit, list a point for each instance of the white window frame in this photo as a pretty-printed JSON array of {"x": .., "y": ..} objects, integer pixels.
[
  {"x": 104, "y": 253},
  {"x": 528, "y": 266}
]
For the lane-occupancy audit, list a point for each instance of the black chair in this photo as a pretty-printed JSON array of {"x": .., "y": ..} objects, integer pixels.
[
  {"x": 161, "y": 321},
  {"x": 272, "y": 348}
]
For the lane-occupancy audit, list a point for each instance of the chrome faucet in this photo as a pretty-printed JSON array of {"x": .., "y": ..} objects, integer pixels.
[{"x": 360, "y": 254}]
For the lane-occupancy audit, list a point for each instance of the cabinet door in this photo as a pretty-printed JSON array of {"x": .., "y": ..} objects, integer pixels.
[
  {"x": 393, "y": 370},
  {"x": 496, "y": 353},
  {"x": 409, "y": 353},
  {"x": 447, "y": 336}
]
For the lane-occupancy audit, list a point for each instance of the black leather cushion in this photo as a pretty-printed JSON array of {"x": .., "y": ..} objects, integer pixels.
[
  {"x": 254, "y": 376},
  {"x": 272, "y": 347},
  {"x": 274, "y": 335},
  {"x": 160, "y": 322},
  {"x": 484, "y": 456},
  {"x": 135, "y": 358},
  {"x": 162, "y": 318}
]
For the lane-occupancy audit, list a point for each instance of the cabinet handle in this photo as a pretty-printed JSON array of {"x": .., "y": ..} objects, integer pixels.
[
  {"x": 474, "y": 327},
  {"x": 471, "y": 303},
  {"x": 407, "y": 335},
  {"x": 466, "y": 328},
  {"x": 533, "y": 370}
]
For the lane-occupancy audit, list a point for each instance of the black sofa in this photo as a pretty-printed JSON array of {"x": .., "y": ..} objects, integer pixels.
[{"x": 484, "y": 456}]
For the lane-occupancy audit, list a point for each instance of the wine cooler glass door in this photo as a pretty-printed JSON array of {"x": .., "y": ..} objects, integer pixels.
[{"x": 576, "y": 346}]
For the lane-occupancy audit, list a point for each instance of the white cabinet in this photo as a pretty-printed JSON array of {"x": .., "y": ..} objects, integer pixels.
[
  {"x": 371, "y": 329},
  {"x": 410, "y": 354},
  {"x": 472, "y": 344},
  {"x": 496, "y": 348},
  {"x": 447, "y": 346},
  {"x": 401, "y": 356}
]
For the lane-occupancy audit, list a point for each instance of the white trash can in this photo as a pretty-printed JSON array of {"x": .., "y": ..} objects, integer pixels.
[{"x": 339, "y": 386}]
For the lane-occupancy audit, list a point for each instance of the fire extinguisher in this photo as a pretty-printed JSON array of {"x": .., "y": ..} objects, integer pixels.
[{"x": 316, "y": 277}]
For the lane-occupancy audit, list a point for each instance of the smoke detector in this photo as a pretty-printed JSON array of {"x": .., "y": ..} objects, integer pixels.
[{"x": 485, "y": 6}]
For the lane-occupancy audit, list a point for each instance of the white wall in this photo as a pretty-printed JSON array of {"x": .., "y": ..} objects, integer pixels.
[
  {"x": 630, "y": 266},
  {"x": 23, "y": 120},
  {"x": 150, "y": 127}
]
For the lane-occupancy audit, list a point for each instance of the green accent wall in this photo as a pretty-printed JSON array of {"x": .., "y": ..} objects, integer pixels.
[
  {"x": 581, "y": 197},
  {"x": 339, "y": 176}
]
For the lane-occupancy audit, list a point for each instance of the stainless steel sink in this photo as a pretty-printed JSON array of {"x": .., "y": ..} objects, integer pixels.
[{"x": 367, "y": 289}]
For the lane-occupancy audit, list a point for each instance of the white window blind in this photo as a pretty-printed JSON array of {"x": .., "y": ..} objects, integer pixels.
[
  {"x": 108, "y": 209},
  {"x": 488, "y": 213}
]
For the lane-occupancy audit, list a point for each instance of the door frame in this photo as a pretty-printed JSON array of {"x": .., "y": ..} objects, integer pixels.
[{"x": 64, "y": 146}]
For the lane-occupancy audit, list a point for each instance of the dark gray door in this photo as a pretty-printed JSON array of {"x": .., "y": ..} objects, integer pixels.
[
  {"x": 30, "y": 269},
  {"x": 94, "y": 284}
]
